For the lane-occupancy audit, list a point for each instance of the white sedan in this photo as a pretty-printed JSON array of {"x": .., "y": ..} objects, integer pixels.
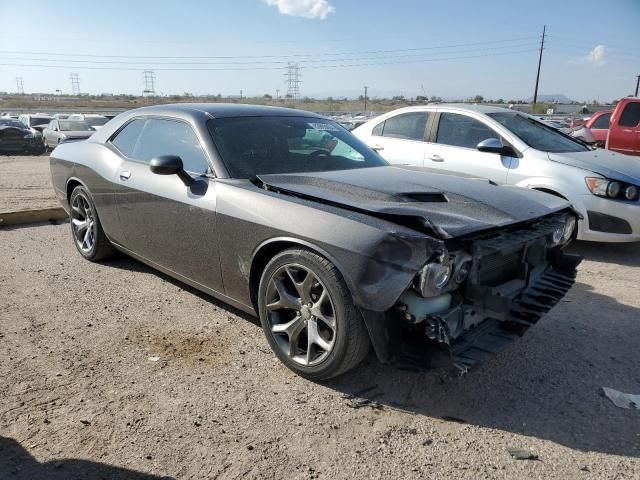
[{"x": 513, "y": 148}]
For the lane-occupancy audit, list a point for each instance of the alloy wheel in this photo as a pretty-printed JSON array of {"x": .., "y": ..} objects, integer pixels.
[
  {"x": 83, "y": 223},
  {"x": 301, "y": 315}
]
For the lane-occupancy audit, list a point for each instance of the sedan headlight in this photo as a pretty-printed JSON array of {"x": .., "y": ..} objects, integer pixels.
[
  {"x": 603, "y": 187},
  {"x": 434, "y": 277},
  {"x": 569, "y": 227}
]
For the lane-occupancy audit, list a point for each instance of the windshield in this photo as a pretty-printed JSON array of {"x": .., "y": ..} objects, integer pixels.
[
  {"x": 536, "y": 134},
  {"x": 96, "y": 121},
  {"x": 74, "y": 125},
  {"x": 9, "y": 122},
  {"x": 39, "y": 121},
  {"x": 252, "y": 146}
]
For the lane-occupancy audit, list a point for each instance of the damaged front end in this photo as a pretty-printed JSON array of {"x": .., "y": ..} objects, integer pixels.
[{"x": 470, "y": 301}]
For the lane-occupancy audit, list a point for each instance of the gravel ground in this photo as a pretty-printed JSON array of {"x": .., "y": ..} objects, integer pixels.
[
  {"x": 25, "y": 183},
  {"x": 115, "y": 371}
]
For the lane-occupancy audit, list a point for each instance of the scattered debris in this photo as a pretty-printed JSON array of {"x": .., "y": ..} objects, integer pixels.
[
  {"x": 86, "y": 423},
  {"x": 154, "y": 359},
  {"x": 363, "y": 402},
  {"x": 520, "y": 454},
  {"x": 449, "y": 418},
  {"x": 622, "y": 400},
  {"x": 427, "y": 442}
]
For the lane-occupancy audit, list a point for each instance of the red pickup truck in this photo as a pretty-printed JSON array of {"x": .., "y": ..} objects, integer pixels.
[{"x": 624, "y": 127}]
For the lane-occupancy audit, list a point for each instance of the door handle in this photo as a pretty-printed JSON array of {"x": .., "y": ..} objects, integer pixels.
[
  {"x": 436, "y": 158},
  {"x": 377, "y": 148},
  {"x": 125, "y": 175}
]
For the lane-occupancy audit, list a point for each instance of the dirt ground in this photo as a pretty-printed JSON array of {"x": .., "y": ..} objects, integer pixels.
[
  {"x": 115, "y": 371},
  {"x": 25, "y": 183}
]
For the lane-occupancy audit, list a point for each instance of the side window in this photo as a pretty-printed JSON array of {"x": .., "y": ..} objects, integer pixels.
[
  {"x": 171, "y": 137},
  {"x": 409, "y": 126},
  {"x": 602, "y": 123},
  {"x": 377, "y": 130},
  {"x": 127, "y": 138},
  {"x": 462, "y": 131},
  {"x": 630, "y": 115}
]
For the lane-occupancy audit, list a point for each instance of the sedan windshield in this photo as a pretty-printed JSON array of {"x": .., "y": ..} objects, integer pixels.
[
  {"x": 74, "y": 126},
  {"x": 96, "y": 121},
  {"x": 252, "y": 146},
  {"x": 536, "y": 134}
]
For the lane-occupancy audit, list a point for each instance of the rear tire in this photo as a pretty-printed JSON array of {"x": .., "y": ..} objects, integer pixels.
[
  {"x": 308, "y": 315},
  {"x": 86, "y": 229}
]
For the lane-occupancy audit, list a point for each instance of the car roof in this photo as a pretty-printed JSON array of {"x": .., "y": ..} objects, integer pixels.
[{"x": 222, "y": 110}]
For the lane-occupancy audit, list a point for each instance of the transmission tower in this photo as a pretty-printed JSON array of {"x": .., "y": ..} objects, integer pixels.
[
  {"x": 292, "y": 78},
  {"x": 20, "y": 85},
  {"x": 75, "y": 84},
  {"x": 149, "y": 79}
]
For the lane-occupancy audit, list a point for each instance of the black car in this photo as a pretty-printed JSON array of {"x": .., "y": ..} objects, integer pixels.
[
  {"x": 286, "y": 215},
  {"x": 15, "y": 137}
]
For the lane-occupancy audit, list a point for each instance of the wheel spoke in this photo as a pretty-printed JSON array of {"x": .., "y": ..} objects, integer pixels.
[
  {"x": 316, "y": 310},
  {"x": 285, "y": 300},
  {"x": 81, "y": 225},
  {"x": 314, "y": 337}
]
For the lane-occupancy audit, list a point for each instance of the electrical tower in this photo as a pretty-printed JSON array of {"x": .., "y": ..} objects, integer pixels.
[
  {"x": 149, "y": 79},
  {"x": 20, "y": 85},
  {"x": 75, "y": 84},
  {"x": 292, "y": 78}
]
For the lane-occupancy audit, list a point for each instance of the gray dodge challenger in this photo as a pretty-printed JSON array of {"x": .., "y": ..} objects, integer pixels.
[{"x": 286, "y": 215}]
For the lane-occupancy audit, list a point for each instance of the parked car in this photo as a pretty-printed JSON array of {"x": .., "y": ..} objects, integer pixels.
[
  {"x": 15, "y": 137},
  {"x": 599, "y": 126},
  {"x": 513, "y": 148},
  {"x": 581, "y": 132},
  {"x": 333, "y": 251},
  {"x": 96, "y": 121},
  {"x": 59, "y": 131},
  {"x": 36, "y": 123},
  {"x": 624, "y": 129},
  {"x": 61, "y": 116}
]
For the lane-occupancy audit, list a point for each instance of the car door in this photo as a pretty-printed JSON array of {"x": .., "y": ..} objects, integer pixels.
[
  {"x": 163, "y": 220},
  {"x": 625, "y": 136},
  {"x": 453, "y": 148},
  {"x": 400, "y": 139}
]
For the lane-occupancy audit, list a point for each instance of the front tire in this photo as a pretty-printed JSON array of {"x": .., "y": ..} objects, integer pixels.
[
  {"x": 308, "y": 315},
  {"x": 86, "y": 229}
]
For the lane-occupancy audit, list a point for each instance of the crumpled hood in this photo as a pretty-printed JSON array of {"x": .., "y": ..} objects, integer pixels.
[
  {"x": 613, "y": 165},
  {"x": 450, "y": 206}
]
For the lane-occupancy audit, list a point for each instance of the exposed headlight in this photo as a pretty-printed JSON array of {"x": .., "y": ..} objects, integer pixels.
[
  {"x": 569, "y": 227},
  {"x": 603, "y": 187},
  {"x": 434, "y": 277},
  {"x": 556, "y": 236},
  {"x": 631, "y": 193}
]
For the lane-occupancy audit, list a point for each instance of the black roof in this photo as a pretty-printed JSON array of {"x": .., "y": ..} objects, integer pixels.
[{"x": 221, "y": 110}]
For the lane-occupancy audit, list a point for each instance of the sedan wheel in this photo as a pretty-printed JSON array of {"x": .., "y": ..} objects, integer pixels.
[
  {"x": 301, "y": 314},
  {"x": 308, "y": 315},
  {"x": 88, "y": 236}
]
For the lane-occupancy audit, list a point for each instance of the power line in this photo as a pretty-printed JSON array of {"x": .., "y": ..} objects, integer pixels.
[
  {"x": 345, "y": 64},
  {"x": 366, "y": 52},
  {"x": 266, "y": 62},
  {"x": 75, "y": 84},
  {"x": 20, "y": 85}
]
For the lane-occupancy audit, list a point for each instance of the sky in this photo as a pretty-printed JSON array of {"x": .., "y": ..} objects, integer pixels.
[{"x": 453, "y": 49}]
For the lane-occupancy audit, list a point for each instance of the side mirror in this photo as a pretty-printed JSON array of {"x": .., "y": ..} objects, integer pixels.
[
  {"x": 170, "y": 165},
  {"x": 494, "y": 145}
]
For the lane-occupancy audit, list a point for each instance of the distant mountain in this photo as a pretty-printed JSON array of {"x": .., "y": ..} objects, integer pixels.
[{"x": 555, "y": 98}]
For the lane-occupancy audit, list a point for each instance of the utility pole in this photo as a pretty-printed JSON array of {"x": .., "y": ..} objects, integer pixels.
[
  {"x": 20, "y": 85},
  {"x": 75, "y": 84},
  {"x": 365, "y": 98},
  {"x": 277, "y": 94},
  {"x": 637, "y": 85},
  {"x": 149, "y": 80},
  {"x": 535, "y": 93},
  {"x": 240, "y": 94}
]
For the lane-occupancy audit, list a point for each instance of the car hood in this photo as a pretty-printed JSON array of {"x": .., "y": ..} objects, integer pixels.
[
  {"x": 613, "y": 165},
  {"x": 78, "y": 133},
  {"x": 447, "y": 205}
]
